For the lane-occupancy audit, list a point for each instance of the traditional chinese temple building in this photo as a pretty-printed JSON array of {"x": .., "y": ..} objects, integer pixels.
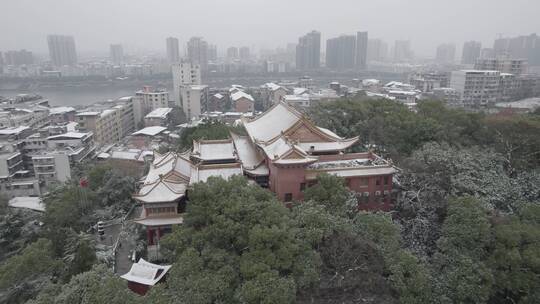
[
  {"x": 283, "y": 151},
  {"x": 143, "y": 275}
]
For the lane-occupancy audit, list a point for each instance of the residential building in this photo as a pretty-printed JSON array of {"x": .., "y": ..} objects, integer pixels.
[
  {"x": 427, "y": 81},
  {"x": 232, "y": 53},
  {"x": 508, "y": 87},
  {"x": 297, "y": 101},
  {"x": 341, "y": 52},
  {"x": 242, "y": 102},
  {"x": 244, "y": 53},
  {"x": 59, "y": 115},
  {"x": 197, "y": 50},
  {"x": 308, "y": 51},
  {"x": 16, "y": 58},
  {"x": 477, "y": 88},
  {"x": 129, "y": 161},
  {"x": 503, "y": 64},
  {"x": 147, "y": 100},
  {"x": 194, "y": 99},
  {"x": 173, "y": 53},
  {"x": 62, "y": 50},
  {"x": 361, "y": 50},
  {"x": 471, "y": 52},
  {"x": 34, "y": 116},
  {"x": 377, "y": 50},
  {"x": 526, "y": 47},
  {"x": 158, "y": 117},
  {"x": 217, "y": 102},
  {"x": 446, "y": 53},
  {"x": 487, "y": 53},
  {"x": 272, "y": 94},
  {"x": 117, "y": 54},
  {"x": 402, "y": 51},
  {"x": 450, "y": 96},
  {"x": 51, "y": 167},
  {"x": 184, "y": 74},
  {"x": 11, "y": 162},
  {"x": 212, "y": 53},
  {"x": 109, "y": 122}
]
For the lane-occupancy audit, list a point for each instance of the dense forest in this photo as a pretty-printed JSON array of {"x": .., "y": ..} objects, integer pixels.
[{"x": 465, "y": 229}]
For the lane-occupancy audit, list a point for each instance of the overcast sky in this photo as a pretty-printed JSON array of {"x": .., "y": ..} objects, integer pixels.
[{"x": 144, "y": 24}]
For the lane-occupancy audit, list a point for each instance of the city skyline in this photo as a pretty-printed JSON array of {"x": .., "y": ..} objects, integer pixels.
[{"x": 425, "y": 35}]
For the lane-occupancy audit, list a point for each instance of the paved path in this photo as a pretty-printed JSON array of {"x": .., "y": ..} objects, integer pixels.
[{"x": 127, "y": 243}]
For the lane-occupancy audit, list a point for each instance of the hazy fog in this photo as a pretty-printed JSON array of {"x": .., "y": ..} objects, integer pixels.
[{"x": 144, "y": 24}]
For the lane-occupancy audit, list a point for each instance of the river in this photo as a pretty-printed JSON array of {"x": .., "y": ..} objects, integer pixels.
[
  {"x": 68, "y": 96},
  {"x": 86, "y": 93}
]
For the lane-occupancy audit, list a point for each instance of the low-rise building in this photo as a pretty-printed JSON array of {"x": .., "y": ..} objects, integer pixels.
[
  {"x": 52, "y": 167},
  {"x": 272, "y": 94},
  {"x": 243, "y": 102},
  {"x": 158, "y": 117},
  {"x": 61, "y": 115},
  {"x": 477, "y": 88},
  {"x": 144, "y": 138}
]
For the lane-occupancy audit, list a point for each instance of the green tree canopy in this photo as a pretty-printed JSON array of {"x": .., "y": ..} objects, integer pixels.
[{"x": 236, "y": 239}]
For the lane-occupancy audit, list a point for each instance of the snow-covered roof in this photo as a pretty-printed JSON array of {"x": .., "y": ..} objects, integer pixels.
[
  {"x": 248, "y": 154},
  {"x": 28, "y": 202},
  {"x": 104, "y": 155},
  {"x": 350, "y": 172},
  {"x": 13, "y": 130},
  {"x": 212, "y": 150},
  {"x": 60, "y": 110},
  {"x": 364, "y": 166},
  {"x": 107, "y": 112},
  {"x": 88, "y": 113},
  {"x": 161, "y": 221},
  {"x": 239, "y": 94},
  {"x": 146, "y": 273},
  {"x": 370, "y": 82},
  {"x": 272, "y": 86},
  {"x": 165, "y": 164},
  {"x": 163, "y": 190},
  {"x": 529, "y": 103},
  {"x": 296, "y": 98},
  {"x": 299, "y": 91},
  {"x": 271, "y": 123},
  {"x": 159, "y": 113},
  {"x": 127, "y": 155},
  {"x": 202, "y": 173},
  {"x": 71, "y": 126},
  {"x": 70, "y": 135},
  {"x": 150, "y": 131},
  {"x": 328, "y": 146}
]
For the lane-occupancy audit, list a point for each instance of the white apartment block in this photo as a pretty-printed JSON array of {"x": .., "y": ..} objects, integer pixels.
[
  {"x": 109, "y": 123},
  {"x": 153, "y": 99},
  {"x": 184, "y": 74},
  {"x": 476, "y": 87},
  {"x": 51, "y": 167},
  {"x": 194, "y": 99}
]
